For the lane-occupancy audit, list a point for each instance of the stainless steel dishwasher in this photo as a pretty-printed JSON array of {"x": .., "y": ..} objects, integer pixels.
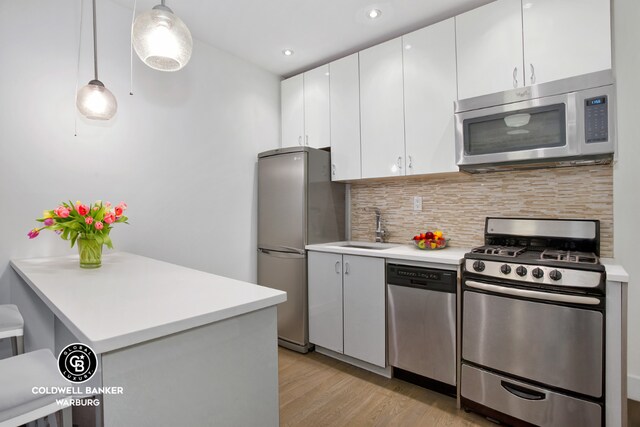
[{"x": 421, "y": 309}]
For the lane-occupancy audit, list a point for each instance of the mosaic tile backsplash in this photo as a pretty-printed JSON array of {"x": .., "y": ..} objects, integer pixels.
[{"x": 457, "y": 204}]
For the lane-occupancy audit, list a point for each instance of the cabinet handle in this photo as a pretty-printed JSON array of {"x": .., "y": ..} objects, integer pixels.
[
  {"x": 300, "y": 140},
  {"x": 399, "y": 163},
  {"x": 333, "y": 169},
  {"x": 410, "y": 163},
  {"x": 533, "y": 74},
  {"x": 306, "y": 140},
  {"x": 346, "y": 268},
  {"x": 337, "y": 267},
  {"x": 515, "y": 77}
]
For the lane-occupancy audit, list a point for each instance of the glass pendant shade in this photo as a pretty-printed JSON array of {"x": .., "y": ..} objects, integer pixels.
[
  {"x": 96, "y": 102},
  {"x": 161, "y": 39}
]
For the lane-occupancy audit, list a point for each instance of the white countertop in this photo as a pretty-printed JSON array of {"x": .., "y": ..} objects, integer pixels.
[
  {"x": 132, "y": 299},
  {"x": 615, "y": 272},
  {"x": 448, "y": 256}
]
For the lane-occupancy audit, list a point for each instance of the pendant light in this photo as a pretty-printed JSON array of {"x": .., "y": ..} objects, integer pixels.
[
  {"x": 94, "y": 101},
  {"x": 161, "y": 39}
]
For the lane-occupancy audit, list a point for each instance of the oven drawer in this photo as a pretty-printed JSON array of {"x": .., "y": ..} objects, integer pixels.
[
  {"x": 550, "y": 344},
  {"x": 529, "y": 403}
]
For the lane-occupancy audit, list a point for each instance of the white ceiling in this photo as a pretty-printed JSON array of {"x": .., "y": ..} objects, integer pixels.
[{"x": 317, "y": 30}]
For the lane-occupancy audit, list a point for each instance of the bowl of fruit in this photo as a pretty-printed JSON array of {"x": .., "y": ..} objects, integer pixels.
[{"x": 430, "y": 240}]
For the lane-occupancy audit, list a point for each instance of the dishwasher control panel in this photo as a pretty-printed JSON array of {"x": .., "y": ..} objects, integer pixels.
[{"x": 421, "y": 277}]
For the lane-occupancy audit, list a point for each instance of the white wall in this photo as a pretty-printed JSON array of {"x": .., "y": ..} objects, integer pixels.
[
  {"x": 627, "y": 171},
  {"x": 181, "y": 151}
]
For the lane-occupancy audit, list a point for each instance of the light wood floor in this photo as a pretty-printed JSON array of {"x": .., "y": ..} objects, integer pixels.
[{"x": 316, "y": 390}]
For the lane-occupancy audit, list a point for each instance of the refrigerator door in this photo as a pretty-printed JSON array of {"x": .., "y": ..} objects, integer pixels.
[
  {"x": 282, "y": 201},
  {"x": 287, "y": 271}
]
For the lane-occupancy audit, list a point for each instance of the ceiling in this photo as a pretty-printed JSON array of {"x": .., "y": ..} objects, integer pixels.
[{"x": 316, "y": 30}]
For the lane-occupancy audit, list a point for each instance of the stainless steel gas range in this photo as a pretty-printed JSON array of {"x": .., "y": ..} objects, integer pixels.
[{"x": 533, "y": 323}]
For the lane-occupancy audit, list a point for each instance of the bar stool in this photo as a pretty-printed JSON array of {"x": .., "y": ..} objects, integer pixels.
[
  {"x": 19, "y": 375},
  {"x": 12, "y": 326}
]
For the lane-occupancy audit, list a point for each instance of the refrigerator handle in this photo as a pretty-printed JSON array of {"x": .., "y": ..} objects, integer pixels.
[
  {"x": 277, "y": 248},
  {"x": 277, "y": 254}
]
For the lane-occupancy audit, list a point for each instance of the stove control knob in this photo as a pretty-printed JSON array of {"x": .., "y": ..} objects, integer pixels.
[
  {"x": 555, "y": 275},
  {"x": 478, "y": 266},
  {"x": 505, "y": 269},
  {"x": 521, "y": 271},
  {"x": 537, "y": 273}
]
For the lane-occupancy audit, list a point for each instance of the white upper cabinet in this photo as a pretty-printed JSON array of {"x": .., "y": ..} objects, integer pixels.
[
  {"x": 316, "y": 107},
  {"x": 429, "y": 93},
  {"x": 292, "y": 111},
  {"x": 565, "y": 38},
  {"x": 382, "y": 110},
  {"x": 489, "y": 42},
  {"x": 516, "y": 43},
  {"x": 305, "y": 109},
  {"x": 345, "y": 118}
]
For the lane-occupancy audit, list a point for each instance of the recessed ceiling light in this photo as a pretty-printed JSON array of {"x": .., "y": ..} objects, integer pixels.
[
  {"x": 374, "y": 13},
  {"x": 287, "y": 52}
]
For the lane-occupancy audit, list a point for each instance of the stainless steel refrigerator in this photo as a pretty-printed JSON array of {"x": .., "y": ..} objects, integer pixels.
[{"x": 297, "y": 205}]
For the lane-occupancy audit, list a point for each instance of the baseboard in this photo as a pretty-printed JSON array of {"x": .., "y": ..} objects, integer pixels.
[
  {"x": 633, "y": 387},
  {"x": 385, "y": 372}
]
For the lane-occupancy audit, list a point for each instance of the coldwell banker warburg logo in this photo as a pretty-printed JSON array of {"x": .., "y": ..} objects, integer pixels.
[{"x": 77, "y": 362}]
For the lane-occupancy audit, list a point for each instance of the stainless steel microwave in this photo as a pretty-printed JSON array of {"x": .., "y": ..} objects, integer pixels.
[{"x": 561, "y": 123}]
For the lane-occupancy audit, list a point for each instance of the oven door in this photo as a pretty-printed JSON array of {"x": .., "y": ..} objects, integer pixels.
[
  {"x": 532, "y": 130},
  {"x": 540, "y": 341}
]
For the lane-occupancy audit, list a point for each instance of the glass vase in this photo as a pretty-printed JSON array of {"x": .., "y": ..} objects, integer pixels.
[{"x": 90, "y": 252}]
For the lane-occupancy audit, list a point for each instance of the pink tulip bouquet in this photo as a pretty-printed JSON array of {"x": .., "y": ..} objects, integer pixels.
[{"x": 89, "y": 225}]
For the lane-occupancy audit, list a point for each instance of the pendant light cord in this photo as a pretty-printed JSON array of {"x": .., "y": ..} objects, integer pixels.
[
  {"x": 75, "y": 115},
  {"x": 133, "y": 18},
  {"x": 95, "y": 43}
]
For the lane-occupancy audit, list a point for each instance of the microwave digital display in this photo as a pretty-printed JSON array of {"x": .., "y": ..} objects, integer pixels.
[{"x": 596, "y": 101}]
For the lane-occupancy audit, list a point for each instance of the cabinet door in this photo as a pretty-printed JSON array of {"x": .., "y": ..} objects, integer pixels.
[
  {"x": 489, "y": 42},
  {"x": 364, "y": 309},
  {"x": 565, "y": 38},
  {"x": 429, "y": 93},
  {"x": 345, "y": 118},
  {"x": 325, "y": 300},
  {"x": 292, "y": 105},
  {"x": 382, "y": 110},
  {"x": 316, "y": 107}
]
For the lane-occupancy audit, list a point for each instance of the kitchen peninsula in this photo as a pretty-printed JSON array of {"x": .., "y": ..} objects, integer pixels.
[{"x": 185, "y": 345}]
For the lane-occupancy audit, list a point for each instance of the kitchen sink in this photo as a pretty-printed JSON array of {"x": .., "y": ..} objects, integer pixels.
[{"x": 367, "y": 245}]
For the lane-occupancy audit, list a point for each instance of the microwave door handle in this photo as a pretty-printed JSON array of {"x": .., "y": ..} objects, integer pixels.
[{"x": 522, "y": 392}]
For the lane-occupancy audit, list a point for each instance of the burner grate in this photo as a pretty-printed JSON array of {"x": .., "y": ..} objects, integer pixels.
[
  {"x": 569, "y": 256},
  {"x": 509, "y": 251}
]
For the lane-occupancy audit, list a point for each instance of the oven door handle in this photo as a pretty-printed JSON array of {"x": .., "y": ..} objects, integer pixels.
[
  {"x": 523, "y": 392},
  {"x": 524, "y": 293}
]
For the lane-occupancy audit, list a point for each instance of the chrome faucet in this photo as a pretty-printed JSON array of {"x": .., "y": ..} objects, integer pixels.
[{"x": 380, "y": 232}]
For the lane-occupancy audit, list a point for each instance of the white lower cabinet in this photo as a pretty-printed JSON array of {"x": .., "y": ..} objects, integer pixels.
[
  {"x": 325, "y": 300},
  {"x": 347, "y": 305},
  {"x": 364, "y": 309}
]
